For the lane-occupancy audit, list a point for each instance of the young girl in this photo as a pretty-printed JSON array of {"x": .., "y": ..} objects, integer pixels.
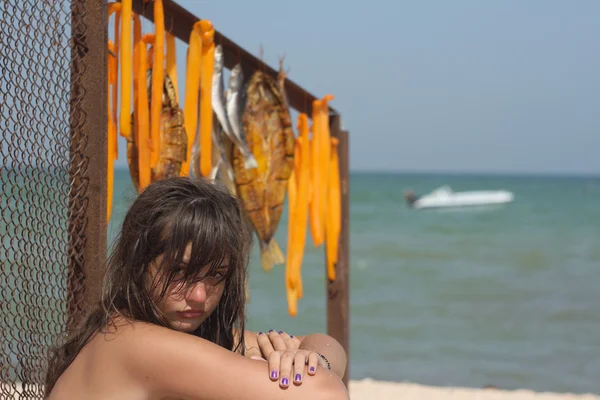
[{"x": 170, "y": 324}]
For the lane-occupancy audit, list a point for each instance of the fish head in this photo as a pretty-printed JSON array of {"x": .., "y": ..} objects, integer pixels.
[{"x": 236, "y": 78}]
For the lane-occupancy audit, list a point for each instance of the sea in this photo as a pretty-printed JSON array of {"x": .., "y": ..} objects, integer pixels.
[{"x": 507, "y": 296}]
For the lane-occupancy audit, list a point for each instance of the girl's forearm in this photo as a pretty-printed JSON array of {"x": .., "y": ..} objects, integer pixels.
[{"x": 331, "y": 349}]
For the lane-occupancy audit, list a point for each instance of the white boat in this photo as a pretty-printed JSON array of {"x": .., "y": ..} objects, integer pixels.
[{"x": 446, "y": 197}]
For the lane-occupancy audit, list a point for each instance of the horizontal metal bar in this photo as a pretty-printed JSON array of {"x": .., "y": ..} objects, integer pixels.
[{"x": 179, "y": 22}]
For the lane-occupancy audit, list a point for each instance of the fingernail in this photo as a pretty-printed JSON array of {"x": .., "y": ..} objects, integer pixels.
[
  {"x": 291, "y": 335},
  {"x": 298, "y": 377},
  {"x": 284, "y": 381},
  {"x": 270, "y": 330},
  {"x": 273, "y": 375},
  {"x": 260, "y": 333},
  {"x": 280, "y": 332},
  {"x": 312, "y": 369}
]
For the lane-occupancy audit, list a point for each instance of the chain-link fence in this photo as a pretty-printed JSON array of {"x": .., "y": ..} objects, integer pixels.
[{"x": 44, "y": 180}]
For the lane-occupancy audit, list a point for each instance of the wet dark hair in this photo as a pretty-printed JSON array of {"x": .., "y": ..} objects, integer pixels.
[{"x": 167, "y": 216}]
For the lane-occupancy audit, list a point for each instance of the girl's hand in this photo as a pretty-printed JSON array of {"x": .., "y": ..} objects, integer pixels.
[
  {"x": 275, "y": 341},
  {"x": 286, "y": 361},
  {"x": 285, "y": 365}
]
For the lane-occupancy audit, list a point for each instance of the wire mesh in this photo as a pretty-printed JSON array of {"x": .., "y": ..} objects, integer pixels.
[{"x": 43, "y": 203}]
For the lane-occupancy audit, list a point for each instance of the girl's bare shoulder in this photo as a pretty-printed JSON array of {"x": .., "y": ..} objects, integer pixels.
[{"x": 126, "y": 338}]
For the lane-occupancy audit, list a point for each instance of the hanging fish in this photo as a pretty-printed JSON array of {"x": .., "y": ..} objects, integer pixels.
[
  {"x": 262, "y": 190},
  {"x": 236, "y": 102},
  {"x": 224, "y": 172},
  {"x": 223, "y": 134},
  {"x": 173, "y": 139},
  {"x": 218, "y": 92},
  {"x": 217, "y": 152}
]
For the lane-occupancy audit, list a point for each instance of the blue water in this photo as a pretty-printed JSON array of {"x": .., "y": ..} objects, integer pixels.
[{"x": 507, "y": 295}]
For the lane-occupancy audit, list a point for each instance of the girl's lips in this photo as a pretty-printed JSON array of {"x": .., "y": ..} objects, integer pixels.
[{"x": 190, "y": 314}]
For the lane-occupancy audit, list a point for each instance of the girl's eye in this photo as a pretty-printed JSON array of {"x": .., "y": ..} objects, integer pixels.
[{"x": 218, "y": 275}]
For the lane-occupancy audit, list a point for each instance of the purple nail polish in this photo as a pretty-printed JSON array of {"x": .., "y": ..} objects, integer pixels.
[
  {"x": 298, "y": 377},
  {"x": 280, "y": 332},
  {"x": 312, "y": 369},
  {"x": 291, "y": 335},
  {"x": 285, "y": 381},
  {"x": 270, "y": 330},
  {"x": 260, "y": 333},
  {"x": 274, "y": 374}
]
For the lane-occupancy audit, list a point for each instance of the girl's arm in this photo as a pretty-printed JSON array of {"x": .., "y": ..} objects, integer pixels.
[
  {"x": 280, "y": 340},
  {"x": 332, "y": 353},
  {"x": 175, "y": 364}
]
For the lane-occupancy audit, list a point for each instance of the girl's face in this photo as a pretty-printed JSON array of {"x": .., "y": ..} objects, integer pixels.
[{"x": 187, "y": 305}]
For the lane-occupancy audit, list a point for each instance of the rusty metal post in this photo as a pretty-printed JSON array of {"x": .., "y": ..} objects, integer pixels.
[
  {"x": 338, "y": 293},
  {"x": 88, "y": 154}
]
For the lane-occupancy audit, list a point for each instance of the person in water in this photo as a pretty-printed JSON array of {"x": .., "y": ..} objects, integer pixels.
[
  {"x": 410, "y": 197},
  {"x": 170, "y": 322}
]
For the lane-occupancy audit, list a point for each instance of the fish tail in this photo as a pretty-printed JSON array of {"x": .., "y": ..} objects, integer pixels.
[
  {"x": 270, "y": 255},
  {"x": 214, "y": 171},
  {"x": 250, "y": 161},
  {"x": 225, "y": 175},
  {"x": 195, "y": 163}
]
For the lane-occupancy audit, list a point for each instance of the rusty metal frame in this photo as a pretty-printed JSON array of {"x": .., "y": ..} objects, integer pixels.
[
  {"x": 338, "y": 290},
  {"x": 88, "y": 155},
  {"x": 179, "y": 22}
]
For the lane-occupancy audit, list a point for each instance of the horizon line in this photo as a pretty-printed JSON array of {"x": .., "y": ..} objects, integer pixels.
[{"x": 579, "y": 174}]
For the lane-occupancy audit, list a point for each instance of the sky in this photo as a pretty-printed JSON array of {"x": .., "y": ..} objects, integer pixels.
[{"x": 506, "y": 86}]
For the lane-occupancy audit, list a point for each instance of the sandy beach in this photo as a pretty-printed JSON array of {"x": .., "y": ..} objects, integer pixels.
[{"x": 368, "y": 389}]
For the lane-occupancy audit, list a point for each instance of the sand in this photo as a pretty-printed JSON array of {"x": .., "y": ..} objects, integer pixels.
[{"x": 368, "y": 389}]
